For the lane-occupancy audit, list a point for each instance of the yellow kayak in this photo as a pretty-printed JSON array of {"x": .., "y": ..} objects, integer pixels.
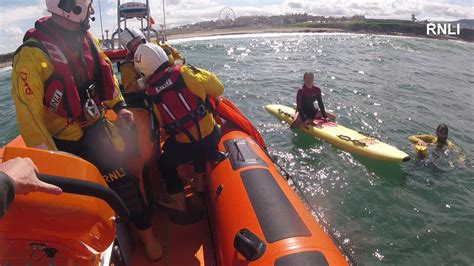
[{"x": 344, "y": 138}]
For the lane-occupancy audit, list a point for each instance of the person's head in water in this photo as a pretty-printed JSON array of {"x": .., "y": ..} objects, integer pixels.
[
  {"x": 308, "y": 79},
  {"x": 442, "y": 133}
]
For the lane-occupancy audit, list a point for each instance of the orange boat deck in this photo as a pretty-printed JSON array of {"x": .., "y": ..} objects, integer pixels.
[{"x": 182, "y": 244}]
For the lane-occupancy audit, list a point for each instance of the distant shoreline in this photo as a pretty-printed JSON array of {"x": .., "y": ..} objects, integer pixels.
[
  {"x": 236, "y": 31},
  {"x": 5, "y": 60},
  {"x": 253, "y": 30}
]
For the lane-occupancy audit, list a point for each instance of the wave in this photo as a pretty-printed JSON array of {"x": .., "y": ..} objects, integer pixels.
[{"x": 5, "y": 69}]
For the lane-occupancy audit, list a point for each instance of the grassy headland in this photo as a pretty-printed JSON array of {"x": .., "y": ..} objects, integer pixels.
[{"x": 390, "y": 27}]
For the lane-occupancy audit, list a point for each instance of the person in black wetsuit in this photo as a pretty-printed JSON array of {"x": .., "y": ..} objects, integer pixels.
[
  {"x": 306, "y": 112},
  {"x": 18, "y": 176}
]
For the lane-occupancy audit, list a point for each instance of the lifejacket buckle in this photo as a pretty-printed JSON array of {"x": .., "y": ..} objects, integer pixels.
[
  {"x": 201, "y": 110},
  {"x": 91, "y": 90},
  {"x": 91, "y": 111}
]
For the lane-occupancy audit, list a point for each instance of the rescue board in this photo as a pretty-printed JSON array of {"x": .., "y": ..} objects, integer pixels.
[{"x": 343, "y": 138}]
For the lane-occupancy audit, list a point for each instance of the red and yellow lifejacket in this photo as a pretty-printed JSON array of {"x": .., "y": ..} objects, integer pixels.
[
  {"x": 179, "y": 108},
  {"x": 65, "y": 90}
]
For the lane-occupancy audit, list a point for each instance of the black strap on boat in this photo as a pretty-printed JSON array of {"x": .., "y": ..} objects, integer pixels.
[
  {"x": 87, "y": 188},
  {"x": 308, "y": 203},
  {"x": 355, "y": 141}
]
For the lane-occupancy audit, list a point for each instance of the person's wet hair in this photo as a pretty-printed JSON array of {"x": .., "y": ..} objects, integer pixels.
[
  {"x": 308, "y": 73},
  {"x": 442, "y": 128}
]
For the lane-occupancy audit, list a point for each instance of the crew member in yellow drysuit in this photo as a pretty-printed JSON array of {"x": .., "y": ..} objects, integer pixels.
[
  {"x": 62, "y": 85},
  {"x": 179, "y": 94}
]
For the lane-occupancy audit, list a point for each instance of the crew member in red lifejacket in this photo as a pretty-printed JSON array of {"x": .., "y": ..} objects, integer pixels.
[
  {"x": 179, "y": 95},
  {"x": 62, "y": 85},
  {"x": 306, "y": 112}
]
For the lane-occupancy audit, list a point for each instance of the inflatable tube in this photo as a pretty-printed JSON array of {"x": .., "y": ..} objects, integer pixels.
[
  {"x": 256, "y": 217},
  {"x": 227, "y": 110},
  {"x": 116, "y": 55}
]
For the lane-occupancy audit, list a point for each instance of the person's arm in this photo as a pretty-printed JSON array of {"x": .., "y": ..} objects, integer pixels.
[
  {"x": 7, "y": 192},
  {"x": 31, "y": 68},
  {"x": 422, "y": 138},
  {"x": 175, "y": 55},
  {"x": 299, "y": 101},
  {"x": 18, "y": 176},
  {"x": 129, "y": 77},
  {"x": 321, "y": 105}
]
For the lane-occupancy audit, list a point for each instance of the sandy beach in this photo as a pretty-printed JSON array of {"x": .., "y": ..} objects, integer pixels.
[{"x": 252, "y": 30}]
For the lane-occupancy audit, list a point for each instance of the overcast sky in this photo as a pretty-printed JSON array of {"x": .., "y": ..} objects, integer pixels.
[{"x": 17, "y": 17}]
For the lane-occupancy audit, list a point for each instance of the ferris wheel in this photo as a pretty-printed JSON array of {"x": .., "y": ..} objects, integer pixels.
[{"x": 226, "y": 16}]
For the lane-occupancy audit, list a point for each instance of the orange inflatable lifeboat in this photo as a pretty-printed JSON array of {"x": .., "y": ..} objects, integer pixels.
[{"x": 253, "y": 217}]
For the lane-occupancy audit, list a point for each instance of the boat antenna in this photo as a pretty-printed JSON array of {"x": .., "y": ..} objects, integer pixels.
[
  {"x": 100, "y": 16},
  {"x": 164, "y": 22}
]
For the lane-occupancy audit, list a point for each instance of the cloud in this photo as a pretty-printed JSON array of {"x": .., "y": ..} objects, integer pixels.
[
  {"x": 15, "y": 14},
  {"x": 295, "y": 5}
]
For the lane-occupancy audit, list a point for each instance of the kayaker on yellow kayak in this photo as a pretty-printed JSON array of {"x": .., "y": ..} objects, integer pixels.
[
  {"x": 62, "y": 85},
  {"x": 306, "y": 112}
]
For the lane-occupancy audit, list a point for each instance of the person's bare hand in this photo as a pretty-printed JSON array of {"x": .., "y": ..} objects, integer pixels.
[
  {"x": 126, "y": 116},
  {"x": 23, "y": 172},
  {"x": 422, "y": 143}
]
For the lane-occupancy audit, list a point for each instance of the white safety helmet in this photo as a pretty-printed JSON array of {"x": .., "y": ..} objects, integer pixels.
[
  {"x": 128, "y": 35},
  {"x": 73, "y": 10},
  {"x": 148, "y": 58}
]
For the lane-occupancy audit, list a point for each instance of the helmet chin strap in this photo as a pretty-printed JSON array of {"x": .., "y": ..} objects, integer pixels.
[{"x": 83, "y": 28}]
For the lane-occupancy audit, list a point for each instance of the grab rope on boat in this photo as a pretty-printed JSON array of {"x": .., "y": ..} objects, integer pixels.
[
  {"x": 325, "y": 226},
  {"x": 355, "y": 141}
]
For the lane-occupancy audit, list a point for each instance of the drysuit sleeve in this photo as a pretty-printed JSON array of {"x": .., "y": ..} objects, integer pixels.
[
  {"x": 173, "y": 53},
  {"x": 423, "y": 137},
  {"x": 31, "y": 68}
]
